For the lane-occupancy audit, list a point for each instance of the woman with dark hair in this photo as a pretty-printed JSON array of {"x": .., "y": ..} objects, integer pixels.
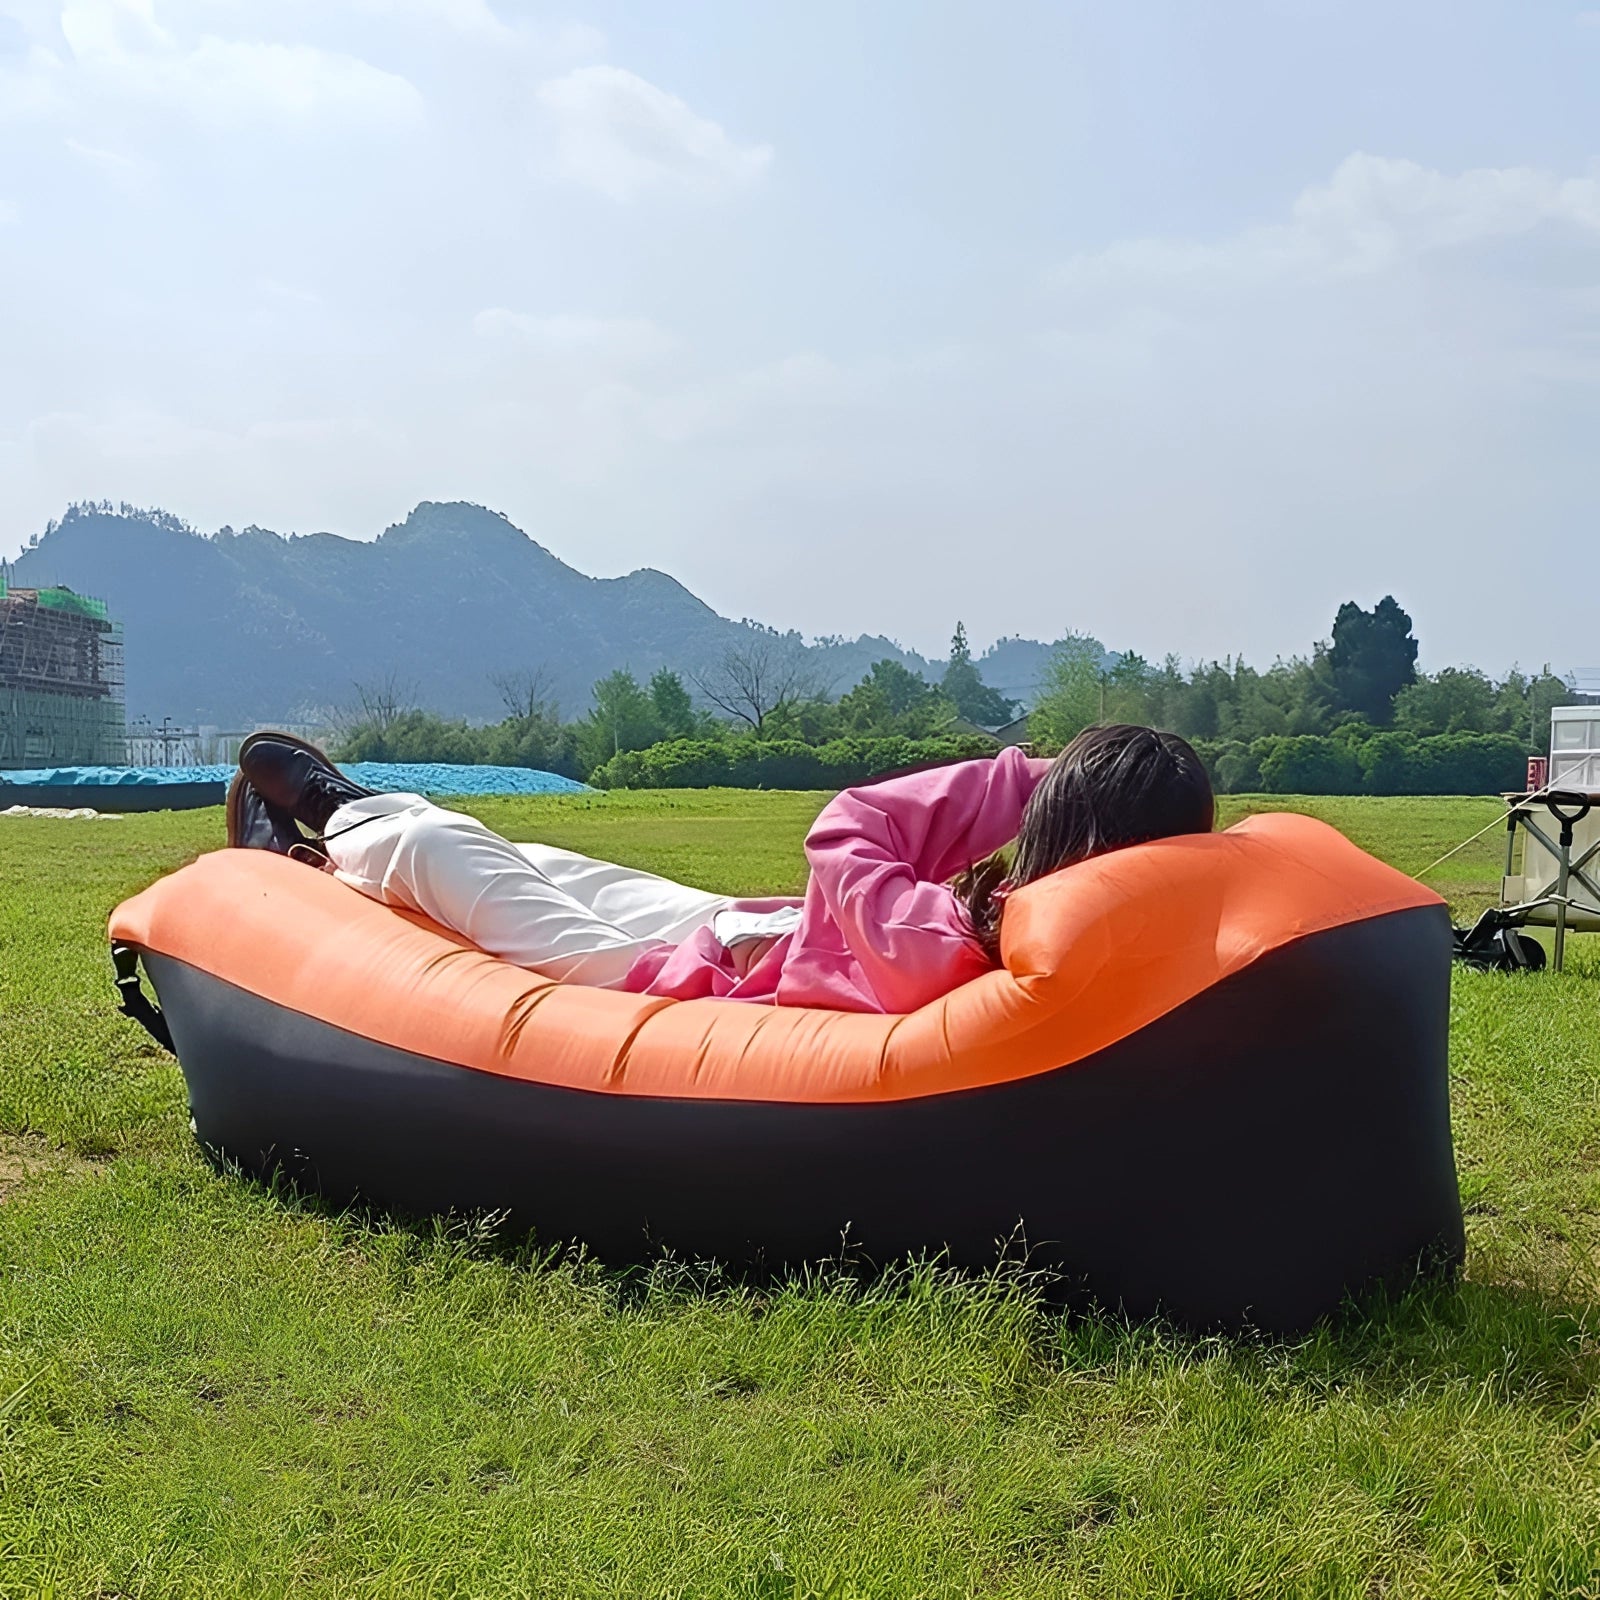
[
  {"x": 905, "y": 900},
  {"x": 1112, "y": 786}
]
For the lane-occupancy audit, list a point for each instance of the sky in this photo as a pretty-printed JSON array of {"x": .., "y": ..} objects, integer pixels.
[{"x": 1174, "y": 324}]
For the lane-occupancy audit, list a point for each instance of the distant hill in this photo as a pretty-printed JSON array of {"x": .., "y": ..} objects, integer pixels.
[{"x": 239, "y": 628}]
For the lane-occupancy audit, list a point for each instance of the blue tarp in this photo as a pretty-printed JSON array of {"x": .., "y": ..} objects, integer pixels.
[
  {"x": 98, "y": 777},
  {"x": 443, "y": 779},
  {"x": 416, "y": 778}
]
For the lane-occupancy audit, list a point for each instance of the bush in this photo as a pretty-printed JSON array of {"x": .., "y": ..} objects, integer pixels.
[
  {"x": 1467, "y": 763},
  {"x": 1359, "y": 759},
  {"x": 535, "y": 741},
  {"x": 419, "y": 736},
  {"x": 413, "y": 736},
  {"x": 1308, "y": 763},
  {"x": 1356, "y": 759},
  {"x": 1386, "y": 763},
  {"x": 748, "y": 763},
  {"x": 1238, "y": 768},
  {"x": 1363, "y": 760}
]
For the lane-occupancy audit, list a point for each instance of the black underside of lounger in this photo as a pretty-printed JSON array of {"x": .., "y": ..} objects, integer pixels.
[{"x": 1274, "y": 1144}]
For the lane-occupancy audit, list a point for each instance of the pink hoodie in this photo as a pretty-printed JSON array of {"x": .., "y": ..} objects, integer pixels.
[{"x": 879, "y": 931}]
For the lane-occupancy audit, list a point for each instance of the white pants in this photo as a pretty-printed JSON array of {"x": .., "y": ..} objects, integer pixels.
[{"x": 561, "y": 914}]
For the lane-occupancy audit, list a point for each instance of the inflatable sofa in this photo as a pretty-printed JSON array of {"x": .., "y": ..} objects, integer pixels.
[{"x": 1209, "y": 1081}]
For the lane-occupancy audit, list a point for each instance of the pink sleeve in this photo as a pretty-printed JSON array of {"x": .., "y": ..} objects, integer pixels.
[{"x": 880, "y": 855}]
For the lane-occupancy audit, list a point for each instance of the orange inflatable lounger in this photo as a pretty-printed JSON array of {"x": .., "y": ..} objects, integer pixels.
[{"x": 1210, "y": 1080}]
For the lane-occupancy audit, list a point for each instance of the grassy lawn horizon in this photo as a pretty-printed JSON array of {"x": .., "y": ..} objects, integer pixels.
[{"x": 209, "y": 1388}]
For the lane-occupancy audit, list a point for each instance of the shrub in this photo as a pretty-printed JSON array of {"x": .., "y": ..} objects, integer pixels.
[
  {"x": 748, "y": 763},
  {"x": 532, "y": 741},
  {"x": 1383, "y": 762},
  {"x": 1238, "y": 767},
  {"x": 1309, "y": 763},
  {"x": 413, "y": 736},
  {"x": 1467, "y": 763},
  {"x": 1386, "y": 764}
]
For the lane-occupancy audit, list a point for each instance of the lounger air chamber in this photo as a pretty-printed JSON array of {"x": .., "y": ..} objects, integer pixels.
[{"x": 1210, "y": 1080}]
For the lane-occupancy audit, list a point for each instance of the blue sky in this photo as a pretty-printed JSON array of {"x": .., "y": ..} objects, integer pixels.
[{"x": 1177, "y": 324}]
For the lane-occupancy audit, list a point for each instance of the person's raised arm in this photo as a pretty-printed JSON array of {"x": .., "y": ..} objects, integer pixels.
[{"x": 880, "y": 856}]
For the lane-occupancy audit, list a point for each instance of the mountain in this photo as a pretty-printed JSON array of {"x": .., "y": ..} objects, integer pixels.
[{"x": 235, "y": 629}]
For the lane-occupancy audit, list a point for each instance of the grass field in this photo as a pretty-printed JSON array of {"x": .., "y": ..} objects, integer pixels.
[{"x": 206, "y": 1389}]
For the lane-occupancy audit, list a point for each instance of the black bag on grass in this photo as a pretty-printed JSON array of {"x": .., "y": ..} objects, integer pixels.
[{"x": 1494, "y": 943}]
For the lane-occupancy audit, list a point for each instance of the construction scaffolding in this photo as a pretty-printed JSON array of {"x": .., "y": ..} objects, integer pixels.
[{"x": 61, "y": 684}]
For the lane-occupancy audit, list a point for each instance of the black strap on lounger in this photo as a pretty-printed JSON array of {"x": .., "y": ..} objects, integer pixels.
[{"x": 135, "y": 1004}]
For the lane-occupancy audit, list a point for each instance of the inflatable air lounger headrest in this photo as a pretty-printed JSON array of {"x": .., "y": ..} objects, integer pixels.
[{"x": 1210, "y": 1080}]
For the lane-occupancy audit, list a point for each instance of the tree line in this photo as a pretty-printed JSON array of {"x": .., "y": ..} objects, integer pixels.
[
  {"x": 1353, "y": 716},
  {"x": 760, "y": 716}
]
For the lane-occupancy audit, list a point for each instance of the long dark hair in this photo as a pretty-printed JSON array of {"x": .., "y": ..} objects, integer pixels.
[{"x": 1112, "y": 786}]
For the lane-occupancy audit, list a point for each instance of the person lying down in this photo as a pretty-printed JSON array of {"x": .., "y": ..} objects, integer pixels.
[{"x": 905, "y": 898}]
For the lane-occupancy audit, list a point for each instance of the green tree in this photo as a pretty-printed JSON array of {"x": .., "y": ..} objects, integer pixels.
[
  {"x": 891, "y": 699},
  {"x": 623, "y": 718},
  {"x": 1372, "y": 658},
  {"x": 1128, "y": 690},
  {"x": 1198, "y": 704},
  {"x": 674, "y": 710},
  {"x": 1070, "y": 697},
  {"x": 811, "y": 719},
  {"x": 532, "y": 733},
  {"x": 1522, "y": 705},
  {"x": 1454, "y": 700},
  {"x": 1166, "y": 697},
  {"x": 964, "y": 688}
]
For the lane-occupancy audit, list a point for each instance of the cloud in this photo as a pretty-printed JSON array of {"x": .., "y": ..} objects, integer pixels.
[
  {"x": 1392, "y": 376},
  {"x": 155, "y": 454},
  {"x": 1373, "y": 213},
  {"x": 619, "y": 135},
  {"x": 774, "y": 396},
  {"x": 230, "y": 81},
  {"x": 8, "y": 213},
  {"x": 132, "y": 174},
  {"x": 1388, "y": 279},
  {"x": 110, "y": 53},
  {"x": 1372, "y": 384},
  {"x": 476, "y": 20},
  {"x": 615, "y": 340},
  {"x": 564, "y": 41},
  {"x": 475, "y": 17}
]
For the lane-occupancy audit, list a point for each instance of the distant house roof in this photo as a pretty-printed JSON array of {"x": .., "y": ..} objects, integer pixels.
[{"x": 1006, "y": 733}]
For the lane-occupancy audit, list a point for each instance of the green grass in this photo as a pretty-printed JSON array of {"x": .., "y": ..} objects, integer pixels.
[{"x": 209, "y": 1389}]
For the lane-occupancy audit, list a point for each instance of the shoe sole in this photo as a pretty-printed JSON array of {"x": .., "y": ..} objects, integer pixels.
[
  {"x": 235, "y": 801},
  {"x": 234, "y": 809}
]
